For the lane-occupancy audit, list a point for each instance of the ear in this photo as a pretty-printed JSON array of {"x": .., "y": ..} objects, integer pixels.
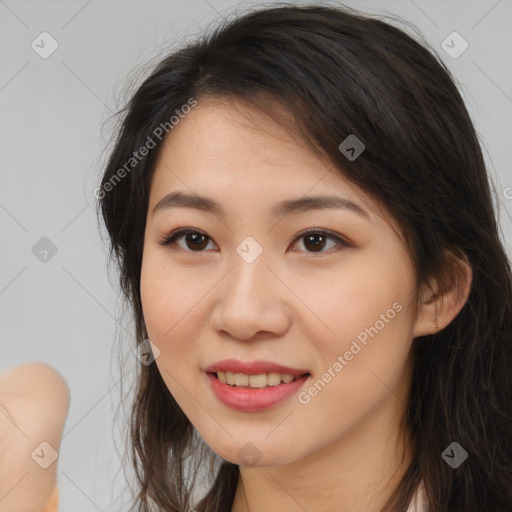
[{"x": 441, "y": 300}]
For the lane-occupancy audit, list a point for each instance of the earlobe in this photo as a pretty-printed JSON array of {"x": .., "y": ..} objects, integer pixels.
[{"x": 441, "y": 301}]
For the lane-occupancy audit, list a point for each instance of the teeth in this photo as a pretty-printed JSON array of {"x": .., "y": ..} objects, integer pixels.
[
  {"x": 273, "y": 379},
  {"x": 241, "y": 379},
  {"x": 261, "y": 380}
]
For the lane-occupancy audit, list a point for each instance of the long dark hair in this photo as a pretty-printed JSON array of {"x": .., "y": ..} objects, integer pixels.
[{"x": 334, "y": 72}]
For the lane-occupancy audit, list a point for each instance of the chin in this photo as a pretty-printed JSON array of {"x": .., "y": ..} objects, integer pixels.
[{"x": 254, "y": 453}]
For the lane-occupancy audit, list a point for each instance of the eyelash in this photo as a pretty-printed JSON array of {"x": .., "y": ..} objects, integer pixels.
[{"x": 170, "y": 239}]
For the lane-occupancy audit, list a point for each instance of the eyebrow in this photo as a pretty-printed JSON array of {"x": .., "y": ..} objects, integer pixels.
[{"x": 302, "y": 204}]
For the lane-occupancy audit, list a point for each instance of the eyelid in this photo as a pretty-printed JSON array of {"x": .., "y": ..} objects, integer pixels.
[
  {"x": 169, "y": 239},
  {"x": 329, "y": 234}
]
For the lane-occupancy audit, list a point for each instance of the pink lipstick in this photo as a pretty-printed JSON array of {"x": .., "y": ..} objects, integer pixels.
[{"x": 253, "y": 386}]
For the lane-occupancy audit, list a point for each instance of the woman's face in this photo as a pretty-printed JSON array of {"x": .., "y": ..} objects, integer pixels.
[{"x": 288, "y": 272}]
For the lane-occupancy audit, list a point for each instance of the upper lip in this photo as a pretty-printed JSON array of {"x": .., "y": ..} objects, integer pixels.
[{"x": 252, "y": 367}]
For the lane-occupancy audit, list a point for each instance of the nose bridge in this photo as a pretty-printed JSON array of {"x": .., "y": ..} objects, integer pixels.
[
  {"x": 250, "y": 299},
  {"x": 249, "y": 261},
  {"x": 249, "y": 280}
]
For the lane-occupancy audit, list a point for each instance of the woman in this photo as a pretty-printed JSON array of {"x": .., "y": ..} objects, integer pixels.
[
  {"x": 34, "y": 403},
  {"x": 303, "y": 224}
]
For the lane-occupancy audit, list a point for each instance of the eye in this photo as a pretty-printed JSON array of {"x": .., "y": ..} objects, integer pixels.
[
  {"x": 316, "y": 241},
  {"x": 194, "y": 240}
]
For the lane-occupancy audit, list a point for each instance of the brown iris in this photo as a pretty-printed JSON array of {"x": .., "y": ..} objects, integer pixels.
[
  {"x": 196, "y": 241},
  {"x": 316, "y": 241}
]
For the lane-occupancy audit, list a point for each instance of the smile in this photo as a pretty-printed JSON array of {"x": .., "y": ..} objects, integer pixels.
[{"x": 253, "y": 386}]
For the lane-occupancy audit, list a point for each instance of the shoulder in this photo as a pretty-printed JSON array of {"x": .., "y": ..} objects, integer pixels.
[{"x": 418, "y": 502}]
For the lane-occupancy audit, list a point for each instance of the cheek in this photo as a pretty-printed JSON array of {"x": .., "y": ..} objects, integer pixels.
[
  {"x": 356, "y": 379},
  {"x": 363, "y": 346},
  {"x": 169, "y": 295},
  {"x": 364, "y": 297},
  {"x": 168, "y": 301}
]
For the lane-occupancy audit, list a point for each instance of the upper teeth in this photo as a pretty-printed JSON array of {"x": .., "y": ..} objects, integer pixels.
[{"x": 254, "y": 381}]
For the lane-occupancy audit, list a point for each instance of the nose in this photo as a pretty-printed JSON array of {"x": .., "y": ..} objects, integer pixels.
[{"x": 249, "y": 301}]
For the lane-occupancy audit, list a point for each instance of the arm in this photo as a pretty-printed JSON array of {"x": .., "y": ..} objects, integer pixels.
[{"x": 34, "y": 403}]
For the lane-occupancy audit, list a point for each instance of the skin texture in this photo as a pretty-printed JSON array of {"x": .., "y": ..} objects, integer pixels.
[
  {"x": 34, "y": 406},
  {"x": 293, "y": 306}
]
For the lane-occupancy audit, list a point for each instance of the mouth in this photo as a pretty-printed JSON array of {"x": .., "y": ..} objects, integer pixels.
[{"x": 253, "y": 386}]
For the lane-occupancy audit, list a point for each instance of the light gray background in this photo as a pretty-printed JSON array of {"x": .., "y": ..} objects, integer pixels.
[{"x": 52, "y": 137}]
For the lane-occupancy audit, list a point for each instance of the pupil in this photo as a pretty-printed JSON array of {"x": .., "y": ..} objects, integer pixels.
[{"x": 317, "y": 241}]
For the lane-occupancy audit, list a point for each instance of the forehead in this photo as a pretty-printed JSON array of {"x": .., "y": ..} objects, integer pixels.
[
  {"x": 235, "y": 137},
  {"x": 227, "y": 148}
]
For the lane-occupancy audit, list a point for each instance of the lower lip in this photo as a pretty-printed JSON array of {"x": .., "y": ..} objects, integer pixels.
[{"x": 253, "y": 399}]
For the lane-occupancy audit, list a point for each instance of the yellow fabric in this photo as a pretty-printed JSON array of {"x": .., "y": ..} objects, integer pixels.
[{"x": 53, "y": 502}]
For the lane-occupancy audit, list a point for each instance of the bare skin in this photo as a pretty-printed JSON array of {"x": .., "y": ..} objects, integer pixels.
[
  {"x": 34, "y": 402},
  {"x": 340, "y": 448}
]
